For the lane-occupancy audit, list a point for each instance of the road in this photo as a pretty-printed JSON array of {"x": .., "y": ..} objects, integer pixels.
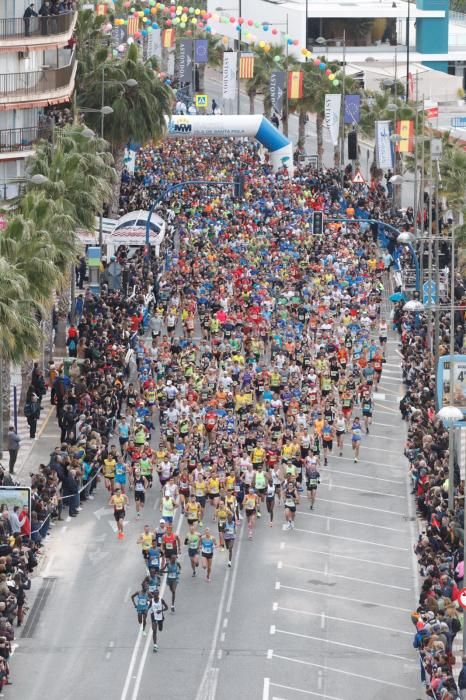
[{"x": 322, "y": 611}]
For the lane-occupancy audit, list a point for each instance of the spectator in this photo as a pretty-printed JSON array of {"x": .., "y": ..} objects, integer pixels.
[{"x": 13, "y": 443}]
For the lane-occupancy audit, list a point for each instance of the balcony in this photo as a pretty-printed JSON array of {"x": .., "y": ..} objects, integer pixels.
[
  {"x": 20, "y": 142},
  {"x": 19, "y": 34},
  {"x": 37, "y": 88}
]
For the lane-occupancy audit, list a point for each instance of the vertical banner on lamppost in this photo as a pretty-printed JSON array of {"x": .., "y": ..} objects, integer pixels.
[
  {"x": 332, "y": 115},
  {"x": 230, "y": 62},
  {"x": 186, "y": 61},
  {"x": 352, "y": 109},
  {"x": 277, "y": 89},
  {"x": 201, "y": 51},
  {"x": 383, "y": 145}
]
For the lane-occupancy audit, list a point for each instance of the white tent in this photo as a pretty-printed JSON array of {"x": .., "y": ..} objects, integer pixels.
[{"x": 130, "y": 230}]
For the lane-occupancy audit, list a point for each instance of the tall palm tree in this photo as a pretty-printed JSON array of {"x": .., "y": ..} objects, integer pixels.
[
  {"x": 139, "y": 109},
  {"x": 91, "y": 43}
]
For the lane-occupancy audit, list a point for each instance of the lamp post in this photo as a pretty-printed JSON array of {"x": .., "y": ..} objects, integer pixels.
[{"x": 322, "y": 41}]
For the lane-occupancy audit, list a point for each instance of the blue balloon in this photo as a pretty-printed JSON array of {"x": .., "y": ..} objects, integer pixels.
[
  {"x": 155, "y": 25},
  {"x": 265, "y": 27},
  {"x": 290, "y": 41},
  {"x": 147, "y": 11},
  {"x": 144, "y": 32},
  {"x": 208, "y": 29},
  {"x": 322, "y": 66}
]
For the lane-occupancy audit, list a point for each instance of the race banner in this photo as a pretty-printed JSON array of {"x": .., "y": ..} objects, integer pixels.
[
  {"x": 246, "y": 66},
  {"x": 230, "y": 62},
  {"x": 277, "y": 89},
  {"x": 201, "y": 51},
  {"x": 295, "y": 84},
  {"x": 132, "y": 26},
  {"x": 186, "y": 61},
  {"x": 383, "y": 145},
  {"x": 405, "y": 129},
  {"x": 332, "y": 115},
  {"x": 352, "y": 109}
]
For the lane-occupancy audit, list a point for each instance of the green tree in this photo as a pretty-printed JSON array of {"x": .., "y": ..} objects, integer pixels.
[
  {"x": 91, "y": 43},
  {"x": 139, "y": 108}
]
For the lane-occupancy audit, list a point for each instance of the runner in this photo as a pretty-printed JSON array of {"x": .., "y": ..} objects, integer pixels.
[
  {"x": 340, "y": 429},
  {"x": 229, "y": 536},
  {"x": 119, "y": 501},
  {"x": 172, "y": 569},
  {"x": 193, "y": 542},
  {"x": 140, "y": 485},
  {"x": 141, "y": 602},
  {"x": 312, "y": 481},
  {"x": 250, "y": 505},
  {"x": 208, "y": 544},
  {"x": 356, "y": 435},
  {"x": 270, "y": 494},
  {"x": 145, "y": 539},
  {"x": 157, "y": 609},
  {"x": 291, "y": 501}
]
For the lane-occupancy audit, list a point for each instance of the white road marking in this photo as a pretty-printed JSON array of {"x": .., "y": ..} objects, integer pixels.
[
  {"x": 275, "y": 607},
  {"x": 219, "y": 656},
  {"x": 225, "y": 623},
  {"x": 343, "y": 556},
  {"x": 327, "y": 525},
  {"x": 367, "y": 476},
  {"x": 277, "y": 585},
  {"x": 222, "y": 637},
  {"x": 377, "y": 396},
  {"x": 365, "y": 446},
  {"x": 345, "y": 598},
  {"x": 109, "y": 652},
  {"x": 322, "y": 620},
  {"x": 347, "y": 578},
  {"x": 342, "y": 619},
  {"x": 272, "y": 629},
  {"x": 266, "y": 689},
  {"x": 352, "y": 539},
  {"x": 342, "y": 644},
  {"x": 345, "y": 673},
  {"x": 279, "y": 565},
  {"x": 352, "y": 488},
  {"x": 370, "y": 462},
  {"x": 354, "y": 505},
  {"x": 307, "y": 692},
  {"x": 351, "y": 522},
  {"x": 385, "y": 425},
  {"x": 269, "y": 653}
]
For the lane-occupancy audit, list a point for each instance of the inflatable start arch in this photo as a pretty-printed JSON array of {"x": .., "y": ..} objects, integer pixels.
[{"x": 279, "y": 146}]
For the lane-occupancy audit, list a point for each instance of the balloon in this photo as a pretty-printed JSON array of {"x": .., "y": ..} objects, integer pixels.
[
  {"x": 327, "y": 71},
  {"x": 317, "y": 61},
  {"x": 322, "y": 66},
  {"x": 153, "y": 11},
  {"x": 146, "y": 11},
  {"x": 130, "y": 41},
  {"x": 265, "y": 27},
  {"x": 191, "y": 10},
  {"x": 172, "y": 8},
  {"x": 155, "y": 25},
  {"x": 257, "y": 25},
  {"x": 336, "y": 83},
  {"x": 295, "y": 42},
  {"x": 197, "y": 11},
  {"x": 248, "y": 36},
  {"x": 149, "y": 28},
  {"x": 126, "y": 4},
  {"x": 144, "y": 33},
  {"x": 144, "y": 19},
  {"x": 267, "y": 48},
  {"x": 276, "y": 59},
  {"x": 232, "y": 20},
  {"x": 225, "y": 39},
  {"x": 168, "y": 23},
  {"x": 185, "y": 9},
  {"x": 194, "y": 20},
  {"x": 176, "y": 20},
  {"x": 137, "y": 35},
  {"x": 238, "y": 28},
  {"x": 208, "y": 29},
  {"x": 331, "y": 76},
  {"x": 152, "y": 3},
  {"x": 200, "y": 25},
  {"x": 274, "y": 31},
  {"x": 250, "y": 23},
  {"x": 184, "y": 17},
  {"x": 182, "y": 25},
  {"x": 240, "y": 20},
  {"x": 179, "y": 9},
  {"x": 262, "y": 44},
  {"x": 289, "y": 42},
  {"x": 133, "y": 10},
  {"x": 121, "y": 48}
]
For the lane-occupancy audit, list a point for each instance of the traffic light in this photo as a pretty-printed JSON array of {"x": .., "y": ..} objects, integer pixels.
[
  {"x": 353, "y": 145},
  {"x": 318, "y": 223},
  {"x": 238, "y": 186}
]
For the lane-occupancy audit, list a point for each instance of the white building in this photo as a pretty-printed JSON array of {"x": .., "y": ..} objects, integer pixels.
[{"x": 37, "y": 70}]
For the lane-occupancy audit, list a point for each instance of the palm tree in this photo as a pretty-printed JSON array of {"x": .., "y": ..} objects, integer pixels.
[
  {"x": 91, "y": 43},
  {"x": 140, "y": 102}
]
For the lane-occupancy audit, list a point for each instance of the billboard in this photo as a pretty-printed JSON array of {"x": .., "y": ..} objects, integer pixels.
[
  {"x": 15, "y": 496},
  {"x": 444, "y": 378}
]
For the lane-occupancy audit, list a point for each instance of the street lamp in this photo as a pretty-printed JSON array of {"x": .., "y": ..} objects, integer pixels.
[{"x": 322, "y": 41}]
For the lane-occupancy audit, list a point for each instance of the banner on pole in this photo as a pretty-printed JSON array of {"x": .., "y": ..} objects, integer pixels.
[
  {"x": 201, "y": 51},
  {"x": 352, "y": 109},
  {"x": 168, "y": 38},
  {"x": 230, "y": 62},
  {"x": 277, "y": 89},
  {"x": 246, "y": 66},
  {"x": 186, "y": 61},
  {"x": 332, "y": 115},
  {"x": 295, "y": 84},
  {"x": 133, "y": 25},
  {"x": 405, "y": 129},
  {"x": 383, "y": 145}
]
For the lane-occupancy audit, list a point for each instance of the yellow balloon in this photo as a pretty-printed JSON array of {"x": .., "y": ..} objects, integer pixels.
[
  {"x": 197, "y": 11},
  {"x": 267, "y": 48},
  {"x": 194, "y": 20},
  {"x": 179, "y": 8},
  {"x": 141, "y": 13},
  {"x": 331, "y": 76},
  {"x": 184, "y": 17},
  {"x": 225, "y": 39},
  {"x": 304, "y": 52},
  {"x": 248, "y": 36},
  {"x": 262, "y": 44}
]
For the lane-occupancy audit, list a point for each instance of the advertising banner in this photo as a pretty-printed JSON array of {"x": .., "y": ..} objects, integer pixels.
[
  {"x": 230, "y": 61},
  {"x": 383, "y": 145},
  {"x": 332, "y": 115},
  {"x": 277, "y": 89}
]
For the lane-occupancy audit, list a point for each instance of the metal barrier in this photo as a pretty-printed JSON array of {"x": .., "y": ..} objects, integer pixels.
[
  {"x": 12, "y": 27},
  {"x": 23, "y": 138}
]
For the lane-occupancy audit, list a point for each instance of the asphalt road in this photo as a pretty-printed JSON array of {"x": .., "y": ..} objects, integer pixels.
[{"x": 322, "y": 611}]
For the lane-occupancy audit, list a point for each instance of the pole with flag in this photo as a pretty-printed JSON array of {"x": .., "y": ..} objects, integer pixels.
[{"x": 295, "y": 85}]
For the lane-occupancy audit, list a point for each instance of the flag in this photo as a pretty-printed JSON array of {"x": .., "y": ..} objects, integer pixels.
[
  {"x": 168, "y": 38},
  {"x": 246, "y": 66},
  {"x": 230, "y": 61},
  {"x": 101, "y": 9},
  {"x": 186, "y": 61},
  {"x": 383, "y": 145},
  {"x": 405, "y": 128},
  {"x": 201, "y": 51},
  {"x": 277, "y": 89},
  {"x": 352, "y": 109},
  {"x": 295, "y": 84},
  {"x": 332, "y": 115},
  {"x": 133, "y": 25}
]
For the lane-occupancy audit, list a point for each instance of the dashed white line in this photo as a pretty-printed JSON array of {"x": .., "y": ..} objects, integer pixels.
[{"x": 322, "y": 620}]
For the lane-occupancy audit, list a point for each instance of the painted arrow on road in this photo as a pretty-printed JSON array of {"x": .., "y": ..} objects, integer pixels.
[
  {"x": 114, "y": 527},
  {"x": 102, "y": 511}
]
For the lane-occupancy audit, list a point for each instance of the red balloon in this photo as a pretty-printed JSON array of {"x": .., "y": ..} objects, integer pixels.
[
  {"x": 327, "y": 71},
  {"x": 317, "y": 62},
  {"x": 200, "y": 24},
  {"x": 250, "y": 22},
  {"x": 295, "y": 42},
  {"x": 172, "y": 8},
  {"x": 185, "y": 10},
  {"x": 240, "y": 20},
  {"x": 168, "y": 23},
  {"x": 232, "y": 20},
  {"x": 274, "y": 31}
]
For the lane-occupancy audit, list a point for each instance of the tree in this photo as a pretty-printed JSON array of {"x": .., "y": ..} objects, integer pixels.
[
  {"x": 139, "y": 109},
  {"x": 91, "y": 43}
]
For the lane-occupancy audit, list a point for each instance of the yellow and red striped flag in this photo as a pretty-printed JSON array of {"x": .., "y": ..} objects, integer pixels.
[
  {"x": 101, "y": 9},
  {"x": 246, "y": 67},
  {"x": 168, "y": 38},
  {"x": 295, "y": 84},
  {"x": 405, "y": 129},
  {"x": 133, "y": 25}
]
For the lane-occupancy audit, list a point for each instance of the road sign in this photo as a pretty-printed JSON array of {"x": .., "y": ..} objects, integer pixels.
[
  {"x": 459, "y": 122},
  {"x": 202, "y": 100},
  {"x": 462, "y": 598},
  {"x": 358, "y": 178},
  {"x": 429, "y": 292}
]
